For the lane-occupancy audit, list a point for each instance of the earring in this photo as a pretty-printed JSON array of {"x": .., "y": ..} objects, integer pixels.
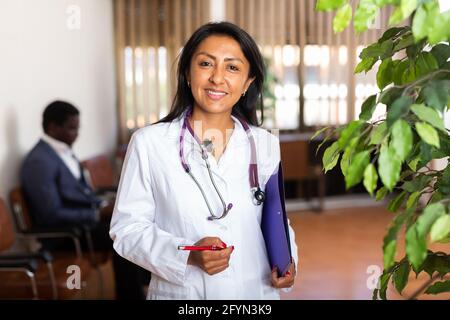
[
  {"x": 189, "y": 84},
  {"x": 244, "y": 93}
]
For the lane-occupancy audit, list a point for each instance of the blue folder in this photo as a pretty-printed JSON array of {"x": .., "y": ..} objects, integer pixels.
[{"x": 274, "y": 224}]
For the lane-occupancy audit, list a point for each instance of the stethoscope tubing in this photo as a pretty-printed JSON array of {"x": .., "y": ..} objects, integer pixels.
[{"x": 253, "y": 168}]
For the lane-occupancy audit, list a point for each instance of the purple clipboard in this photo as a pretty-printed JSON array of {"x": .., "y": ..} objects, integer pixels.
[{"x": 274, "y": 224}]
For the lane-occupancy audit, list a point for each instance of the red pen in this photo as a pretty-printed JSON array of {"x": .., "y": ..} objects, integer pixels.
[{"x": 200, "y": 248}]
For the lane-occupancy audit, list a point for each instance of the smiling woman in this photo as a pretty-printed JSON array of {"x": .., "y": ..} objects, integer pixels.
[
  {"x": 172, "y": 194},
  {"x": 218, "y": 78}
]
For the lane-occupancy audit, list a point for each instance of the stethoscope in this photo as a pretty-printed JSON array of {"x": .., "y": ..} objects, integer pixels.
[{"x": 258, "y": 195}]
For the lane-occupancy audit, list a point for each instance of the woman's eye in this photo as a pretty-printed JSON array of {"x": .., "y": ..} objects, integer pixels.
[
  {"x": 205, "y": 64},
  {"x": 233, "y": 68}
]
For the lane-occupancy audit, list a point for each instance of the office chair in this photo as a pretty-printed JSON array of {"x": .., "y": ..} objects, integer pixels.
[
  {"x": 101, "y": 174},
  {"x": 27, "y": 230},
  {"x": 36, "y": 275}
]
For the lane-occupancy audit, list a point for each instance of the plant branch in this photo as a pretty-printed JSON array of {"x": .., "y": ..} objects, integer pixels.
[
  {"x": 423, "y": 79},
  {"x": 423, "y": 287}
]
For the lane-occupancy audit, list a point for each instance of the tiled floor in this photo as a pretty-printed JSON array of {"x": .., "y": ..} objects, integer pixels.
[{"x": 336, "y": 248}]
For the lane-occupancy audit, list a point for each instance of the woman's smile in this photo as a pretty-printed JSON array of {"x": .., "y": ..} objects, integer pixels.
[{"x": 215, "y": 94}]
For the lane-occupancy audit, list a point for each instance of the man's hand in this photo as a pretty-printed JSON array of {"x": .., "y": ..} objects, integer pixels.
[
  {"x": 211, "y": 261},
  {"x": 286, "y": 281}
]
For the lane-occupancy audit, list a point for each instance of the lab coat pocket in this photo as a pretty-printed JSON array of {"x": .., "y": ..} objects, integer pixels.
[{"x": 161, "y": 289}]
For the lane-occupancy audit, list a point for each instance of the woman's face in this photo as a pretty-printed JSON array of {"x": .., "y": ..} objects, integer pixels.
[{"x": 218, "y": 74}]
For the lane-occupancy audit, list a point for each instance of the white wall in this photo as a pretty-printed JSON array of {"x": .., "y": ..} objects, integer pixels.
[{"x": 42, "y": 59}]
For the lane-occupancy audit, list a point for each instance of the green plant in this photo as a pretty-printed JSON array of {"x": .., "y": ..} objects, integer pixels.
[
  {"x": 270, "y": 81},
  {"x": 414, "y": 82}
]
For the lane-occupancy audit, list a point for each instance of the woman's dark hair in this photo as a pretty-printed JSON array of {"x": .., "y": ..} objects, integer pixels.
[
  {"x": 247, "y": 105},
  {"x": 58, "y": 113}
]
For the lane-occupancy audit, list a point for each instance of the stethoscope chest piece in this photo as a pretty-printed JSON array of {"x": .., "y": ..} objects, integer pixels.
[{"x": 259, "y": 196}]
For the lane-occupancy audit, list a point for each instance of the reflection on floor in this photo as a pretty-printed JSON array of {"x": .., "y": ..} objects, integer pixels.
[{"x": 337, "y": 248}]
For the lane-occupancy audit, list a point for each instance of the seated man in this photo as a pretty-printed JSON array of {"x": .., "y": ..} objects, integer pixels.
[{"x": 58, "y": 195}]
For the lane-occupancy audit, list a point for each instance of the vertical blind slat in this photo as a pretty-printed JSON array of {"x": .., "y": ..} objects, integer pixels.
[{"x": 119, "y": 21}]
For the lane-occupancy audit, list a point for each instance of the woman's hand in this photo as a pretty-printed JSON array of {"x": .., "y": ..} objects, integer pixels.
[
  {"x": 286, "y": 281},
  {"x": 211, "y": 261}
]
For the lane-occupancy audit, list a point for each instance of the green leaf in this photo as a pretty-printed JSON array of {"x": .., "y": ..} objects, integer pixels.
[
  {"x": 398, "y": 109},
  {"x": 439, "y": 287},
  {"x": 436, "y": 197},
  {"x": 429, "y": 115},
  {"x": 441, "y": 52},
  {"x": 356, "y": 169},
  {"x": 396, "y": 16},
  {"x": 365, "y": 14},
  {"x": 428, "y": 21},
  {"x": 440, "y": 228},
  {"x": 388, "y": 96},
  {"x": 389, "y": 251},
  {"x": 381, "y": 193},
  {"x": 379, "y": 134},
  {"x": 375, "y": 294},
  {"x": 390, "y": 240},
  {"x": 331, "y": 156},
  {"x": 349, "y": 132},
  {"x": 342, "y": 18},
  {"x": 384, "y": 281},
  {"x": 408, "y": 6},
  {"x": 428, "y": 133},
  {"x": 425, "y": 63},
  {"x": 365, "y": 64},
  {"x": 384, "y": 74},
  {"x": 402, "y": 139},
  {"x": 436, "y": 94},
  {"x": 377, "y": 50},
  {"x": 412, "y": 199},
  {"x": 399, "y": 69},
  {"x": 439, "y": 30},
  {"x": 413, "y": 163},
  {"x": 388, "y": 167},
  {"x": 347, "y": 155},
  {"x": 404, "y": 42},
  {"x": 445, "y": 240},
  {"x": 368, "y": 107},
  {"x": 429, "y": 215},
  {"x": 437, "y": 262},
  {"x": 393, "y": 32},
  {"x": 409, "y": 75},
  {"x": 370, "y": 178},
  {"x": 416, "y": 247},
  {"x": 328, "y": 5},
  {"x": 387, "y": 47},
  {"x": 318, "y": 132},
  {"x": 396, "y": 203},
  {"x": 401, "y": 276},
  {"x": 417, "y": 183},
  {"x": 419, "y": 25}
]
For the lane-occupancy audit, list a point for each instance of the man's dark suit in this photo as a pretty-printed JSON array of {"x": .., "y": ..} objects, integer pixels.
[{"x": 55, "y": 197}]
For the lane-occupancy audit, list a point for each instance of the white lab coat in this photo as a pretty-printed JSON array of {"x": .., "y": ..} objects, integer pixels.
[{"x": 159, "y": 207}]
